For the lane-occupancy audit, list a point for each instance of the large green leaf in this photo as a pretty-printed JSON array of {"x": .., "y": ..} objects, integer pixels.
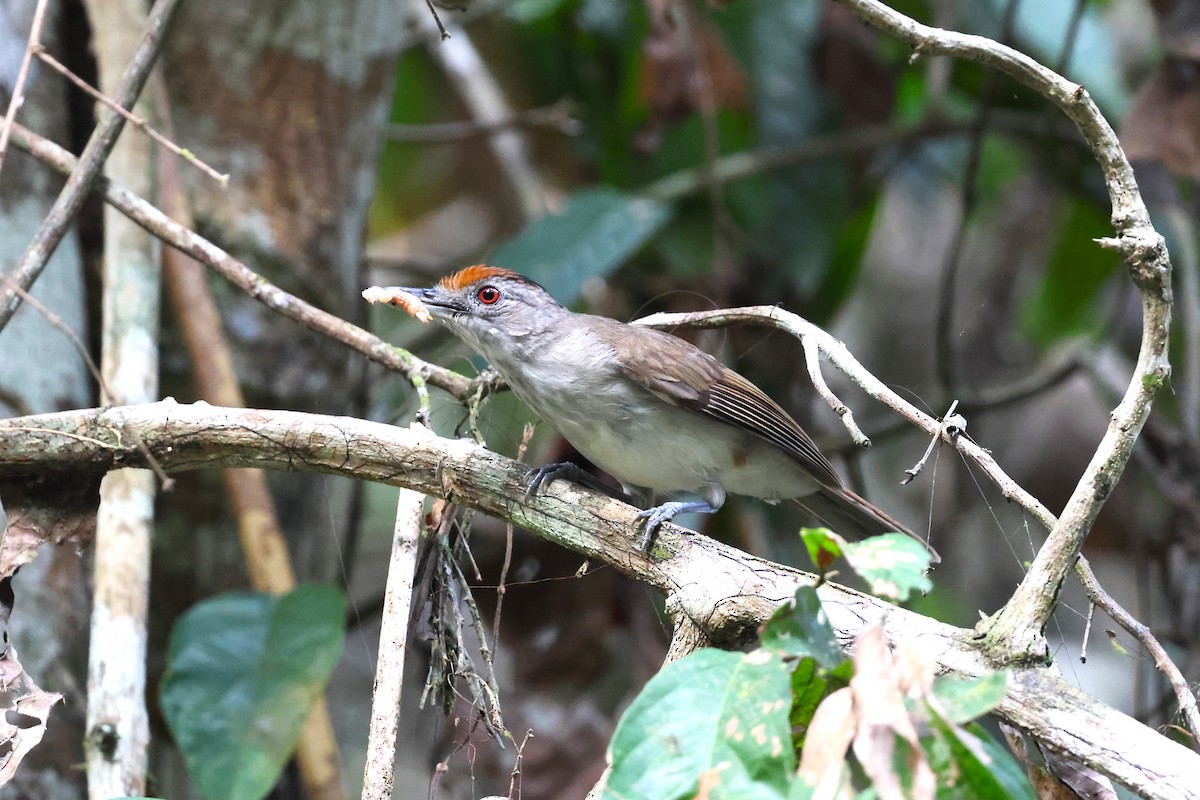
[
  {"x": 596, "y": 232},
  {"x": 799, "y": 627},
  {"x": 893, "y": 564},
  {"x": 714, "y": 717},
  {"x": 971, "y": 765},
  {"x": 965, "y": 699},
  {"x": 242, "y": 673}
]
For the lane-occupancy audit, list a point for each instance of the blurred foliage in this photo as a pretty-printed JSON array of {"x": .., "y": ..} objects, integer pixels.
[
  {"x": 243, "y": 670},
  {"x": 720, "y": 724},
  {"x": 855, "y": 168}
]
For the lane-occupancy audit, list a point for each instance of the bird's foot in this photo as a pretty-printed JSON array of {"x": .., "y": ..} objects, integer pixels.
[
  {"x": 545, "y": 474},
  {"x": 666, "y": 512}
]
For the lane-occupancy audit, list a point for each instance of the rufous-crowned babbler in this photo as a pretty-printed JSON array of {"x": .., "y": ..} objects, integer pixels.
[{"x": 652, "y": 410}]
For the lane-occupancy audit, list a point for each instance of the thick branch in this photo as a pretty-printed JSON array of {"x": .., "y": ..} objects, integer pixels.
[{"x": 724, "y": 591}]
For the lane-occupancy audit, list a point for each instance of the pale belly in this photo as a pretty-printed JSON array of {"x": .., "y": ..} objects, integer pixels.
[{"x": 672, "y": 449}]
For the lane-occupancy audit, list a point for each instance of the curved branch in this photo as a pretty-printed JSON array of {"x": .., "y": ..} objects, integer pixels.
[
  {"x": 816, "y": 338},
  {"x": 1015, "y": 633},
  {"x": 720, "y": 589}
]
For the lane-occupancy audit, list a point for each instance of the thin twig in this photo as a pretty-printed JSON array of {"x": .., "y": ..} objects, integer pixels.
[
  {"x": 72, "y": 337},
  {"x": 445, "y": 34},
  {"x": 378, "y": 774},
  {"x": 1087, "y": 633},
  {"x": 18, "y": 88},
  {"x": 186, "y": 155},
  {"x": 841, "y": 357},
  {"x": 240, "y": 275},
  {"x": 558, "y": 116},
  {"x": 90, "y": 163},
  {"x": 812, "y": 358},
  {"x": 514, "y": 780},
  {"x": 501, "y": 589},
  {"x": 915, "y": 469}
]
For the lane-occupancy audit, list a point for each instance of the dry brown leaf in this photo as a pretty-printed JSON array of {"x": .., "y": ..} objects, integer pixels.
[
  {"x": 1163, "y": 123},
  {"x": 25, "y": 709},
  {"x": 56, "y": 507},
  {"x": 879, "y": 700},
  {"x": 828, "y": 737}
]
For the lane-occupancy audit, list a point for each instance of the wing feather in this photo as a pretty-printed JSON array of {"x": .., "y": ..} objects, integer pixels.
[{"x": 681, "y": 373}]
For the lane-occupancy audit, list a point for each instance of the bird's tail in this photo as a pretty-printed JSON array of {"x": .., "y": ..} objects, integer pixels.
[{"x": 844, "y": 512}]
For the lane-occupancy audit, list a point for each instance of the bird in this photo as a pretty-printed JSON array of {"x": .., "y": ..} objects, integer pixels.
[{"x": 651, "y": 409}]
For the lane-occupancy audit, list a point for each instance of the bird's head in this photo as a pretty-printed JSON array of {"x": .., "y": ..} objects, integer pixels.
[{"x": 490, "y": 306}]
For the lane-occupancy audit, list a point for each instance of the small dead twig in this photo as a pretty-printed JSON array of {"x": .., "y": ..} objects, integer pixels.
[
  {"x": 18, "y": 89},
  {"x": 501, "y": 589},
  {"x": 952, "y": 425},
  {"x": 514, "y": 781},
  {"x": 812, "y": 358},
  {"x": 557, "y": 116},
  {"x": 90, "y": 164},
  {"x": 187, "y": 155},
  {"x": 441, "y": 28}
]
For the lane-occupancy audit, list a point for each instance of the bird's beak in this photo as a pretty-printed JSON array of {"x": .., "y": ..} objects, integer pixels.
[{"x": 440, "y": 303}]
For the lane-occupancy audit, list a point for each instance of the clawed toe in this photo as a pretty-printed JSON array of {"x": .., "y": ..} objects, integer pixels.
[{"x": 540, "y": 476}]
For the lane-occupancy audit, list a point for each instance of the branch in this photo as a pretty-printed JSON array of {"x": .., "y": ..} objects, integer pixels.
[
  {"x": 1015, "y": 633},
  {"x": 483, "y": 97},
  {"x": 17, "y": 97},
  {"x": 723, "y": 591},
  {"x": 132, "y": 284},
  {"x": 839, "y": 355},
  {"x": 240, "y": 275},
  {"x": 378, "y": 774},
  {"x": 814, "y": 337},
  {"x": 91, "y": 162}
]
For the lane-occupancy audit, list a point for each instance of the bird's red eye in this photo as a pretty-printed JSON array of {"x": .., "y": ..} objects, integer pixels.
[{"x": 488, "y": 295}]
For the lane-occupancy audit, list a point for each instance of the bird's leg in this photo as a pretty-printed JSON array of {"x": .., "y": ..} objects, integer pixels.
[
  {"x": 540, "y": 476},
  {"x": 714, "y": 498}
]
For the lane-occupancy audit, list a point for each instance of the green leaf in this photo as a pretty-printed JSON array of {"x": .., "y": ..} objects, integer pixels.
[
  {"x": 824, "y": 547},
  {"x": 799, "y": 627},
  {"x": 965, "y": 699},
  {"x": 801, "y": 791},
  {"x": 978, "y": 768},
  {"x": 242, "y": 673},
  {"x": 524, "y": 11},
  {"x": 893, "y": 564},
  {"x": 1066, "y": 302},
  {"x": 714, "y": 715},
  {"x": 596, "y": 232}
]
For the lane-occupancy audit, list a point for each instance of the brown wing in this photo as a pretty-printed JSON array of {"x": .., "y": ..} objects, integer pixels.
[
  {"x": 681, "y": 373},
  {"x": 735, "y": 400}
]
